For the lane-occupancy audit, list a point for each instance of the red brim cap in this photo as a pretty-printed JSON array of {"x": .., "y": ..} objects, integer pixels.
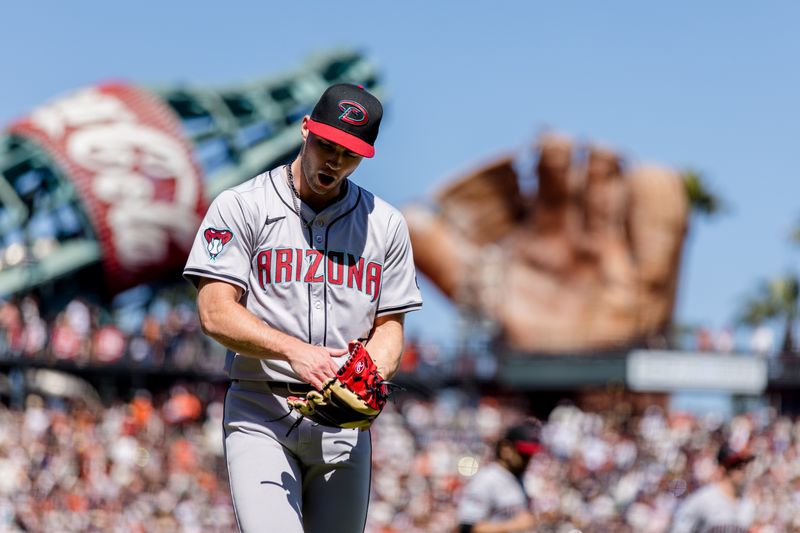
[
  {"x": 335, "y": 135},
  {"x": 734, "y": 461},
  {"x": 527, "y": 448}
]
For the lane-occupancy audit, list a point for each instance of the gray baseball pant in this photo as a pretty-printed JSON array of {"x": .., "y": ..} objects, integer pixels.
[{"x": 315, "y": 480}]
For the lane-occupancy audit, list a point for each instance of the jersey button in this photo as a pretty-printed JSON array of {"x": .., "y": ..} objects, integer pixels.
[
  {"x": 318, "y": 305},
  {"x": 318, "y": 238},
  {"x": 319, "y": 223}
]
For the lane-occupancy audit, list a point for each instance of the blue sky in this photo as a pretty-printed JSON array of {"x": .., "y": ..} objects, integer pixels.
[{"x": 709, "y": 85}]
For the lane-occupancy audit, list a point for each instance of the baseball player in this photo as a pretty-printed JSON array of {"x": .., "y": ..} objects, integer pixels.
[
  {"x": 291, "y": 267},
  {"x": 720, "y": 506},
  {"x": 495, "y": 501}
]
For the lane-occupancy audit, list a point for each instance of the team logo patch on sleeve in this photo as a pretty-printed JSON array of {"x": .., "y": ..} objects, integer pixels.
[{"x": 216, "y": 239}]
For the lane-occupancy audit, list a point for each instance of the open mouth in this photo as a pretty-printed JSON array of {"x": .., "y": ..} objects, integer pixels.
[{"x": 326, "y": 180}]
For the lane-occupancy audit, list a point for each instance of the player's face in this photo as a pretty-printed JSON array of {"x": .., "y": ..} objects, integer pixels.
[
  {"x": 522, "y": 463},
  {"x": 516, "y": 462},
  {"x": 738, "y": 477},
  {"x": 326, "y": 165}
]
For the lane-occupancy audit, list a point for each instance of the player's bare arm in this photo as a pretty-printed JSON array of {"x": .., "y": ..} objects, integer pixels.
[
  {"x": 385, "y": 343},
  {"x": 223, "y": 318}
]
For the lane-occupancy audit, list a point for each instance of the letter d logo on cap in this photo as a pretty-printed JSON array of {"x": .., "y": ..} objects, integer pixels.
[{"x": 353, "y": 113}]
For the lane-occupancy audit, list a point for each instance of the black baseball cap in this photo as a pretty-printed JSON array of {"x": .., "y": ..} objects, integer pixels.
[
  {"x": 525, "y": 437},
  {"x": 348, "y": 115},
  {"x": 730, "y": 458}
]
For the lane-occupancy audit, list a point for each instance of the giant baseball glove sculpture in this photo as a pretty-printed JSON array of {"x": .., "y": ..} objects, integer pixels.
[
  {"x": 587, "y": 261},
  {"x": 352, "y": 399}
]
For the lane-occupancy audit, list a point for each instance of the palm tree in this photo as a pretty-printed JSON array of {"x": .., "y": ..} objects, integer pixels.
[
  {"x": 702, "y": 199},
  {"x": 794, "y": 235},
  {"x": 774, "y": 299}
]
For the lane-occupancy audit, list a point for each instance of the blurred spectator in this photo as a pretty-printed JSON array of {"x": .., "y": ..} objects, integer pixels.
[
  {"x": 151, "y": 333},
  {"x": 140, "y": 412},
  {"x": 762, "y": 340},
  {"x": 108, "y": 344},
  {"x": 79, "y": 317},
  {"x": 723, "y": 342},
  {"x": 410, "y": 360},
  {"x": 35, "y": 333},
  {"x": 704, "y": 340},
  {"x": 12, "y": 326},
  {"x": 65, "y": 342},
  {"x": 182, "y": 407}
]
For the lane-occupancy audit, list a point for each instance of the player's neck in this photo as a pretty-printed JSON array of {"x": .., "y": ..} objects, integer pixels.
[
  {"x": 726, "y": 487},
  {"x": 309, "y": 197}
]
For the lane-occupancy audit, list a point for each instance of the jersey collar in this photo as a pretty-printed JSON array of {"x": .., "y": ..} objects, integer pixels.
[{"x": 345, "y": 203}]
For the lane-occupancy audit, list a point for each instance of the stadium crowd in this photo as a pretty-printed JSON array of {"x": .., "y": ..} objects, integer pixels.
[
  {"x": 606, "y": 472},
  {"x": 162, "y": 330},
  {"x": 155, "y": 463},
  {"x": 146, "y": 465},
  {"x": 165, "y": 333}
]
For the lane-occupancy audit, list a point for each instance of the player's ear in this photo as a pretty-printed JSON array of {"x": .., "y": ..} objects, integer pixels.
[
  {"x": 504, "y": 450},
  {"x": 304, "y": 127}
]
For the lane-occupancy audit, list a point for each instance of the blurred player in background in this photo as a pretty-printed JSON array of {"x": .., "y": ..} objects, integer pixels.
[
  {"x": 495, "y": 500},
  {"x": 719, "y": 506}
]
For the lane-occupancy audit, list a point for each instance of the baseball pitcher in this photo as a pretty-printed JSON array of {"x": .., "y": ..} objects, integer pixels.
[{"x": 306, "y": 278}]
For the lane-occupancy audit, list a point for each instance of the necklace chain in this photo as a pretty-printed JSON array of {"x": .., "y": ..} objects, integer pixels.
[{"x": 295, "y": 195}]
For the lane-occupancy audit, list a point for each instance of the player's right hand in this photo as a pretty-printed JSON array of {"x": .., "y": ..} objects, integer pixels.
[
  {"x": 314, "y": 364},
  {"x": 522, "y": 522}
]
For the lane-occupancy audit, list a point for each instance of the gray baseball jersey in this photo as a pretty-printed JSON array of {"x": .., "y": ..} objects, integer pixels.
[
  {"x": 709, "y": 510},
  {"x": 323, "y": 280},
  {"x": 493, "y": 495}
]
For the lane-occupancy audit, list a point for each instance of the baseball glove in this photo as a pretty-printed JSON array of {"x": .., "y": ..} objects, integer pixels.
[
  {"x": 352, "y": 399},
  {"x": 579, "y": 254}
]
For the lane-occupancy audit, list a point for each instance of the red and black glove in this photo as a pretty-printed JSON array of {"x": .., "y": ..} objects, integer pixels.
[{"x": 352, "y": 399}]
